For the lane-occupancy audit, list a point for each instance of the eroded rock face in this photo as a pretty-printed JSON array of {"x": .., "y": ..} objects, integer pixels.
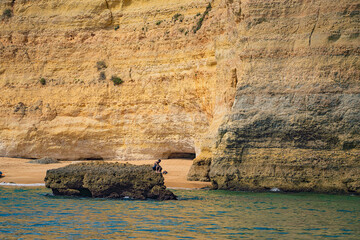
[
  {"x": 266, "y": 93},
  {"x": 306, "y": 148},
  {"x": 165, "y": 104},
  {"x": 294, "y": 124},
  {"x": 108, "y": 180}
]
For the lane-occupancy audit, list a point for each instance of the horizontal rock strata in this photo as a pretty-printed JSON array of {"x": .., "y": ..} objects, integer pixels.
[
  {"x": 57, "y": 61},
  {"x": 108, "y": 180},
  {"x": 265, "y": 93},
  {"x": 294, "y": 123}
]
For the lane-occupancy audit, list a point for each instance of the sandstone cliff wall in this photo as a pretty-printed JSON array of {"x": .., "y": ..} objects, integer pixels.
[
  {"x": 168, "y": 99},
  {"x": 266, "y": 93},
  {"x": 295, "y": 120}
]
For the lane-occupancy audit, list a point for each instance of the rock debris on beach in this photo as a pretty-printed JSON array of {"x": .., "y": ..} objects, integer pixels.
[{"x": 44, "y": 161}]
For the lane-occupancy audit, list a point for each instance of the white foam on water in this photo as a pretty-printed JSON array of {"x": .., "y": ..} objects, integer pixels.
[
  {"x": 23, "y": 184},
  {"x": 182, "y": 188},
  {"x": 275, "y": 190}
]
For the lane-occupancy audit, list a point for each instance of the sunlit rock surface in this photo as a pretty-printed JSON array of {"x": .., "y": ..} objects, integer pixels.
[
  {"x": 294, "y": 123},
  {"x": 265, "y": 93},
  {"x": 165, "y": 105}
]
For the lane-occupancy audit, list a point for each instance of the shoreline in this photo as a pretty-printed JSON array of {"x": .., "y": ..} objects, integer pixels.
[
  {"x": 21, "y": 172},
  {"x": 36, "y": 185}
]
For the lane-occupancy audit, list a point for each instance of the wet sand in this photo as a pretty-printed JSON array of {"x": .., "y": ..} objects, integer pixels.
[{"x": 18, "y": 170}]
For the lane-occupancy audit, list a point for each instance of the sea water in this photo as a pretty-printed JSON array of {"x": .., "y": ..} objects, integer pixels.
[{"x": 34, "y": 213}]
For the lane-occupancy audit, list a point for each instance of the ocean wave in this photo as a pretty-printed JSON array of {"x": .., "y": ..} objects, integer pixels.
[
  {"x": 23, "y": 184},
  {"x": 182, "y": 188}
]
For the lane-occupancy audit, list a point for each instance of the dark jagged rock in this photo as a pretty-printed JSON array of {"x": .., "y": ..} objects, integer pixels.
[{"x": 108, "y": 180}]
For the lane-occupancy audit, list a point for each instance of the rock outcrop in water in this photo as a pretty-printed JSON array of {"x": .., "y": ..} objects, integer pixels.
[
  {"x": 108, "y": 180},
  {"x": 266, "y": 93}
]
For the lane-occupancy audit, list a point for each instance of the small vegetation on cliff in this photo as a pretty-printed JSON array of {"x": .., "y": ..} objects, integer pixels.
[
  {"x": 76, "y": 80},
  {"x": 354, "y": 35},
  {"x": 116, "y": 27},
  {"x": 334, "y": 37},
  {"x": 177, "y": 17},
  {"x": 116, "y": 80},
  {"x": 7, "y": 13},
  {"x": 102, "y": 75},
  {"x": 101, "y": 65},
  {"x": 159, "y": 22},
  {"x": 42, "y": 81},
  {"x": 201, "y": 20}
]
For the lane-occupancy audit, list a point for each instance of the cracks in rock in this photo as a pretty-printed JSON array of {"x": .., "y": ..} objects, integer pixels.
[
  {"x": 297, "y": 28},
  {"x": 235, "y": 9},
  {"x": 111, "y": 14},
  {"x": 313, "y": 29},
  {"x": 201, "y": 20},
  {"x": 130, "y": 71},
  {"x": 238, "y": 13},
  {"x": 27, "y": 55}
]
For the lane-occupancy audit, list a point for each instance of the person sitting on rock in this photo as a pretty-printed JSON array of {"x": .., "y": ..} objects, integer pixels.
[{"x": 157, "y": 166}]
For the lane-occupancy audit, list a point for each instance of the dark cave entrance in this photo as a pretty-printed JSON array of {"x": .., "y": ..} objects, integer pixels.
[
  {"x": 182, "y": 155},
  {"x": 93, "y": 159}
]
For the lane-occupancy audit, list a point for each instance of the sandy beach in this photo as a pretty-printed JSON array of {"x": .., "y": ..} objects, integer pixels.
[{"x": 20, "y": 171}]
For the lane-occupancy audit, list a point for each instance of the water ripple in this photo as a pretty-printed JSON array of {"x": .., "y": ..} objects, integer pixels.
[{"x": 202, "y": 214}]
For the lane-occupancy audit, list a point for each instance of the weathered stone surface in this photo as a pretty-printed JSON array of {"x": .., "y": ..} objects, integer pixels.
[
  {"x": 108, "y": 180},
  {"x": 165, "y": 105},
  {"x": 294, "y": 123},
  {"x": 199, "y": 171},
  {"x": 277, "y": 78}
]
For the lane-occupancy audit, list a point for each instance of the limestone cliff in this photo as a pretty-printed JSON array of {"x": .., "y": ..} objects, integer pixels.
[
  {"x": 266, "y": 93},
  {"x": 295, "y": 120},
  {"x": 58, "y": 58}
]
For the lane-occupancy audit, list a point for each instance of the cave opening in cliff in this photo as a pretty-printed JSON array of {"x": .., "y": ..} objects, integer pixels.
[
  {"x": 182, "y": 155},
  {"x": 93, "y": 159}
]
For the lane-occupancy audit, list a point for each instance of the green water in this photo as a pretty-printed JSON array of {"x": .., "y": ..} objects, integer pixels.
[{"x": 33, "y": 213}]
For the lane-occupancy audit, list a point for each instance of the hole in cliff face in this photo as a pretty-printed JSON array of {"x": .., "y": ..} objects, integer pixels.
[
  {"x": 182, "y": 155},
  {"x": 85, "y": 192},
  {"x": 95, "y": 158},
  {"x": 179, "y": 149}
]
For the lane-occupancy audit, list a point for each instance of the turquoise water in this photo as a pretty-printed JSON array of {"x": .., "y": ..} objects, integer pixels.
[{"x": 33, "y": 213}]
